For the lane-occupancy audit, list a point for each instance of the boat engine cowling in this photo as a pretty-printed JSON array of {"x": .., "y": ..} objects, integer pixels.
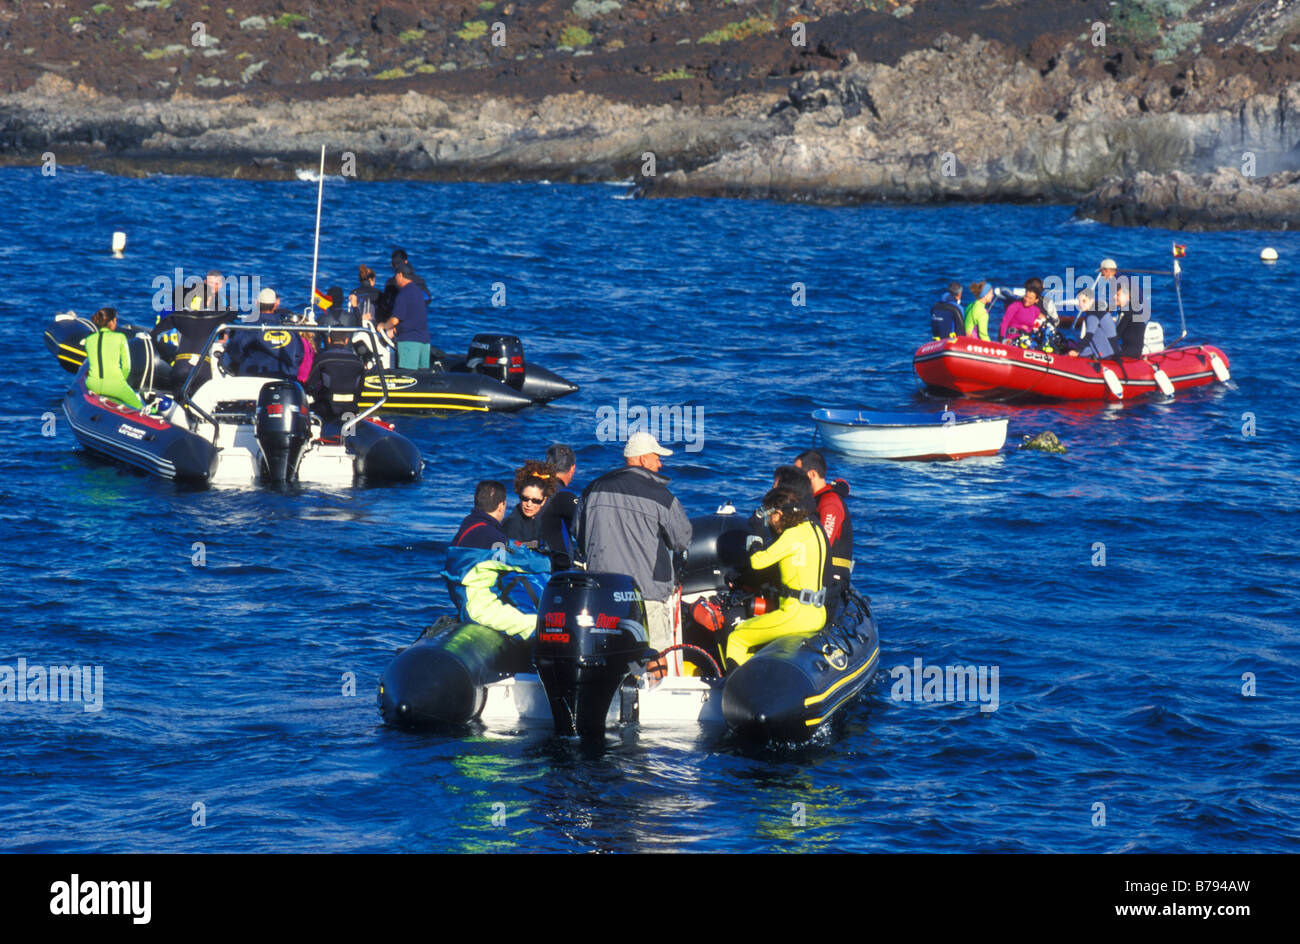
[
  {"x": 591, "y": 633},
  {"x": 282, "y": 428},
  {"x": 499, "y": 356}
]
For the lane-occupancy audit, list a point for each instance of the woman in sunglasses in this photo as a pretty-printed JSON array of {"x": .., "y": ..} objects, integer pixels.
[
  {"x": 524, "y": 523},
  {"x": 799, "y": 550}
]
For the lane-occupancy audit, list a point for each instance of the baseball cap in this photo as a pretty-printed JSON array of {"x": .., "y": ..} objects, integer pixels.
[
  {"x": 642, "y": 444},
  {"x": 1108, "y": 264},
  {"x": 266, "y": 296}
]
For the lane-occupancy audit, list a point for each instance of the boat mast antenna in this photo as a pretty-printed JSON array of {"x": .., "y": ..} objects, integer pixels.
[
  {"x": 315, "y": 253},
  {"x": 1178, "y": 291}
]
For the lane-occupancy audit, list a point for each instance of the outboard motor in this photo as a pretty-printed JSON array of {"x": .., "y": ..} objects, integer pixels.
[
  {"x": 591, "y": 631},
  {"x": 500, "y": 356},
  {"x": 283, "y": 428}
]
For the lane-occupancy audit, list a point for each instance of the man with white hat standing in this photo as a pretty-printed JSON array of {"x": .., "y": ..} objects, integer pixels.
[
  {"x": 1106, "y": 287},
  {"x": 630, "y": 523}
]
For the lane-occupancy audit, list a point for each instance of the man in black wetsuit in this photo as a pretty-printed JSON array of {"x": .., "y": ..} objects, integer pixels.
[
  {"x": 194, "y": 328},
  {"x": 337, "y": 371},
  {"x": 559, "y": 513}
]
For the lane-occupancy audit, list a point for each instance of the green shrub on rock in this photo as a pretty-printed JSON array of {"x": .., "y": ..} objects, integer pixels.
[
  {"x": 575, "y": 37},
  {"x": 753, "y": 26}
]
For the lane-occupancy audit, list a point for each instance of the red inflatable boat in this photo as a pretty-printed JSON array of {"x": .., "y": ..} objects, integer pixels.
[{"x": 989, "y": 370}]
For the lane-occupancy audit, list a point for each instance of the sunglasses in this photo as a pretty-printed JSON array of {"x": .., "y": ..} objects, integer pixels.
[{"x": 532, "y": 501}]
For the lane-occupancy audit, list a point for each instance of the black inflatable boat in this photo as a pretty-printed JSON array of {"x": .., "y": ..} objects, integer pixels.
[
  {"x": 583, "y": 669},
  {"x": 241, "y": 431},
  {"x": 493, "y": 377}
]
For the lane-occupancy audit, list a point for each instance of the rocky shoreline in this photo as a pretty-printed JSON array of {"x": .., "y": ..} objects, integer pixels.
[
  {"x": 1134, "y": 141},
  {"x": 1224, "y": 199}
]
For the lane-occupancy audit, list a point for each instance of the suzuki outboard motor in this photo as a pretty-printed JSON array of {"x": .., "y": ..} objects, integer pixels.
[
  {"x": 591, "y": 632},
  {"x": 500, "y": 356},
  {"x": 283, "y": 428}
]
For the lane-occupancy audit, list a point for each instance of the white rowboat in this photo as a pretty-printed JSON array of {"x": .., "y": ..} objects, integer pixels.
[{"x": 916, "y": 436}]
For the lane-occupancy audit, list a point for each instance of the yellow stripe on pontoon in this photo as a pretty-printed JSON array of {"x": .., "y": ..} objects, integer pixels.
[
  {"x": 423, "y": 406},
  {"x": 814, "y": 699},
  {"x": 441, "y": 396}
]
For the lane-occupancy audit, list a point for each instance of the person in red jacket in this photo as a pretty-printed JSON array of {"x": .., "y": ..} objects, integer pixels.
[{"x": 833, "y": 516}]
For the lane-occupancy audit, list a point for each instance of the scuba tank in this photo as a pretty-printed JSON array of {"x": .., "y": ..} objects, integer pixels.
[{"x": 591, "y": 633}]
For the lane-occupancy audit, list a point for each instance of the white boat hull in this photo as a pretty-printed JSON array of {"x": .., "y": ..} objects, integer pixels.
[
  {"x": 935, "y": 441},
  {"x": 682, "y": 700}
]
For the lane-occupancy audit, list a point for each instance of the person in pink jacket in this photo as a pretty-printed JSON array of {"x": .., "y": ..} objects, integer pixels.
[{"x": 1023, "y": 316}]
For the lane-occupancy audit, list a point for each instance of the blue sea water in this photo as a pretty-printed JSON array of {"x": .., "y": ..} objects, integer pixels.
[{"x": 1124, "y": 721}]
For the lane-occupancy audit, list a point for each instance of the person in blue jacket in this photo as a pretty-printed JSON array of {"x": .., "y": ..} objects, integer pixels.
[
  {"x": 947, "y": 319},
  {"x": 1099, "y": 338}
]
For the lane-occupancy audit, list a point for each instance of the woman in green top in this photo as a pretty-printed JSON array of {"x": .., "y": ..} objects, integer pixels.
[
  {"x": 109, "y": 361},
  {"x": 977, "y": 312}
]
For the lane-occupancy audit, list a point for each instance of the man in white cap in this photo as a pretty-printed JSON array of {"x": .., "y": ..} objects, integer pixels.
[
  {"x": 630, "y": 523},
  {"x": 1106, "y": 286},
  {"x": 267, "y": 302}
]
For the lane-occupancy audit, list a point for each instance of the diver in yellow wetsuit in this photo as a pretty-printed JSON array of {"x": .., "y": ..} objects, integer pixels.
[
  {"x": 800, "y": 550},
  {"x": 109, "y": 360}
]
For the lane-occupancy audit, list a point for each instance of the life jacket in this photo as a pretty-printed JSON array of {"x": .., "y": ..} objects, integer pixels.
[
  {"x": 947, "y": 318},
  {"x": 839, "y": 563}
]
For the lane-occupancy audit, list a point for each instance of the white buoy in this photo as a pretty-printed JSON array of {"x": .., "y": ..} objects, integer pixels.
[
  {"x": 1112, "y": 383},
  {"x": 1220, "y": 369},
  {"x": 1269, "y": 254},
  {"x": 1162, "y": 380},
  {"x": 119, "y": 244}
]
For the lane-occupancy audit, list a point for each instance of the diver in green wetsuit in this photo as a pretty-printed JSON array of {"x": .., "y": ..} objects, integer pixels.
[
  {"x": 800, "y": 550},
  {"x": 109, "y": 361}
]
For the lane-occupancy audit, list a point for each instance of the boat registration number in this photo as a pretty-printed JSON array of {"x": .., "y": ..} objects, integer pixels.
[{"x": 979, "y": 349}]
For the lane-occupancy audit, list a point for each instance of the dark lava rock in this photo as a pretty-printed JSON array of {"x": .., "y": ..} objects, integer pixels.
[{"x": 1223, "y": 199}]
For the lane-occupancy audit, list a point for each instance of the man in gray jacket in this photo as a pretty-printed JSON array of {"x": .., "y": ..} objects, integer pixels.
[{"x": 629, "y": 523}]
